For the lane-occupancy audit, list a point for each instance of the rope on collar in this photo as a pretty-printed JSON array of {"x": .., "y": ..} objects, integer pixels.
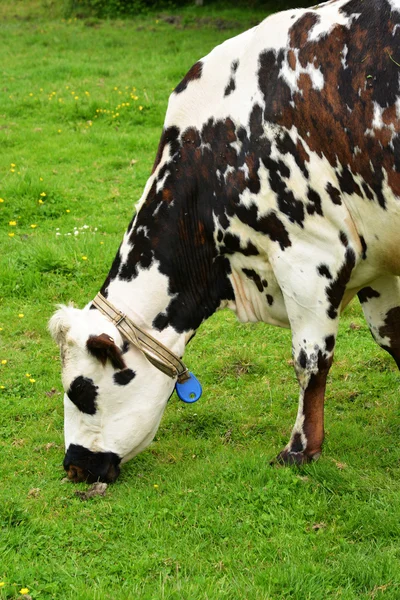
[{"x": 155, "y": 352}]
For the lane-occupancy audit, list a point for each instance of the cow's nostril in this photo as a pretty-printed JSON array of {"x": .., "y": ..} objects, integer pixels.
[
  {"x": 71, "y": 473},
  {"x": 75, "y": 474}
]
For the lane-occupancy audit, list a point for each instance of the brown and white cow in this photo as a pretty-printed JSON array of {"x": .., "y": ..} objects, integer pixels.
[{"x": 276, "y": 193}]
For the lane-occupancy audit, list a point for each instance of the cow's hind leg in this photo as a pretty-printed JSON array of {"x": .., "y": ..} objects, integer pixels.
[
  {"x": 313, "y": 301},
  {"x": 380, "y": 302}
]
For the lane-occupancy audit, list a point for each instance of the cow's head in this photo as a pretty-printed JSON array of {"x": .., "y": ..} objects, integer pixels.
[{"x": 114, "y": 398}]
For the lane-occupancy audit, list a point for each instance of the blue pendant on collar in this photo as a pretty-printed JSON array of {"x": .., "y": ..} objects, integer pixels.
[{"x": 190, "y": 390}]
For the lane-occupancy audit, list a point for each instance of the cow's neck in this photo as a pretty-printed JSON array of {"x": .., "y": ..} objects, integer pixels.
[{"x": 168, "y": 275}]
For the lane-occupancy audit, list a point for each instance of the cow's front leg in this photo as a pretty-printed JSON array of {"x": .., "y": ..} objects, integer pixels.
[
  {"x": 312, "y": 361},
  {"x": 313, "y": 289}
]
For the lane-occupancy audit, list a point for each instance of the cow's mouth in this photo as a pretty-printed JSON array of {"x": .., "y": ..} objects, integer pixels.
[{"x": 83, "y": 465}]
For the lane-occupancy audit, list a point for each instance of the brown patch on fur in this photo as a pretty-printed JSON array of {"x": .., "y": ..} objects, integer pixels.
[
  {"x": 303, "y": 154},
  {"x": 313, "y": 409},
  {"x": 104, "y": 348},
  {"x": 76, "y": 474},
  {"x": 299, "y": 33},
  {"x": 167, "y": 195},
  {"x": 291, "y": 57},
  {"x": 193, "y": 74},
  {"x": 334, "y": 119}
]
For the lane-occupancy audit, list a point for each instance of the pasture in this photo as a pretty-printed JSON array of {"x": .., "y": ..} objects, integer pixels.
[{"x": 201, "y": 514}]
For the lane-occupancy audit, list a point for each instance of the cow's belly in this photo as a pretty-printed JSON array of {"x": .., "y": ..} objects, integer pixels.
[
  {"x": 258, "y": 296},
  {"x": 256, "y": 302},
  {"x": 380, "y": 228}
]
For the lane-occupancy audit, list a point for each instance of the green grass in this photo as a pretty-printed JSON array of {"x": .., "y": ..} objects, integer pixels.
[{"x": 222, "y": 522}]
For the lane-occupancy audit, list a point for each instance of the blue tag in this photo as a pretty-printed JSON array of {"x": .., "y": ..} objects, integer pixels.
[{"x": 189, "y": 391}]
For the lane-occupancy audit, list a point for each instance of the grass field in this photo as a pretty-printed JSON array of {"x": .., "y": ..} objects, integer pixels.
[{"x": 201, "y": 514}]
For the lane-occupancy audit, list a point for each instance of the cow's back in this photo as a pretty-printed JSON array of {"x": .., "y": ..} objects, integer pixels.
[{"x": 301, "y": 114}]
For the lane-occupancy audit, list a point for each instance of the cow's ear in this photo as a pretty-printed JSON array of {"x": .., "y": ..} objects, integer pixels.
[
  {"x": 104, "y": 348},
  {"x": 60, "y": 324}
]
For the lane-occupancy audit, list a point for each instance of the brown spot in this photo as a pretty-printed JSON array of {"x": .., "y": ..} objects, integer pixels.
[
  {"x": 313, "y": 407},
  {"x": 193, "y": 74},
  {"x": 167, "y": 195},
  {"x": 291, "y": 57},
  {"x": 389, "y": 116},
  {"x": 305, "y": 84},
  {"x": 76, "y": 474},
  {"x": 394, "y": 181},
  {"x": 299, "y": 33},
  {"x": 302, "y": 152},
  {"x": 104, "y": 348}
]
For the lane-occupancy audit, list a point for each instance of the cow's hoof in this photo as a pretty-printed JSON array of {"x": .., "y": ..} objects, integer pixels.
[{"x": 286, "y": 457}]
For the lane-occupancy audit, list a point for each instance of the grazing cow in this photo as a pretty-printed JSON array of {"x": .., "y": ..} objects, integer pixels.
[{"x": 275, "y": 192}]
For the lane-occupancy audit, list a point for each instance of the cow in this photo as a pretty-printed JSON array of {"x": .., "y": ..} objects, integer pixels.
[{"x": 275, "y": 192}]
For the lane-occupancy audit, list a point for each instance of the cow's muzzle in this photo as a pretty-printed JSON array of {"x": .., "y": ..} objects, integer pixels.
[{"x": 83, "y": 465}]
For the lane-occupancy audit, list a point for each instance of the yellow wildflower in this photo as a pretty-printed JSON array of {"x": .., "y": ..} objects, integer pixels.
[
  {"x": 140, "y": 107},
  {"x": 43, "y": 194},
  {"x": 12, "y": 165},
  {"x": 11, "y": 234},
  {"x": 32, "y": 380},
  {"x": 68, "y": 210},
  {"x": 84, "y": 257},
  {"x": 156, "y": 485},
  {"x": 12, "y": 223},
  {"x": 28, "y": 375},
  {"x": 24, "y": 591},
  {"x": 4, "y": 362},
  {"x": 1, "y": 199},
  {"x": 33, "y": 226},
  {"x": 41, "y": 201},
  {"x": 21, "y": 315},
  {"x": 2, "y": 583}
]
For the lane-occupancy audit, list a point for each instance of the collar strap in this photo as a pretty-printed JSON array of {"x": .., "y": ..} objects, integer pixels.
[{"x": 155, "y": 352}]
